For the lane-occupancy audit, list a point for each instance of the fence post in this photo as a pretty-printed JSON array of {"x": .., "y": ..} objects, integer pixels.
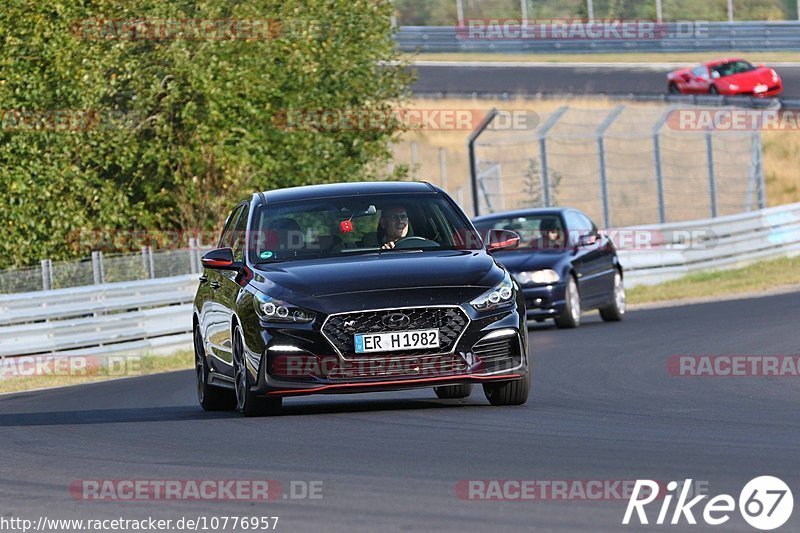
[
  {"x": 601, "y": 146},
  {"x": 712, "y": 177},
  {"x": 97, "y": 268},
  {"x": 145, "y": 263},
  {"x": 47, "y": 274},
  {"x": 758, "y": 170},
  {"x": 473, "y": 160},
  {"x": 151, "y": 265},
  {"x": 443, "y": 168},
  {"x": 662, "y": 207},
  {"x": 193, "y": 253},
  {"x": 545, "y": 129}
]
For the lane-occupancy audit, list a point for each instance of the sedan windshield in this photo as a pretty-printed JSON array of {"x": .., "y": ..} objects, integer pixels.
[
  {"x": 537, "y": 232},
  {"x": 339, "y": 227}
]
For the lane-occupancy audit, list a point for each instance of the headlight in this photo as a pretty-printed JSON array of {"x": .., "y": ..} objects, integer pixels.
[
  {"x": 538, "y": 277},
  {"x": 775, "y": 76},
  {"x": 760, "y": 89},
  {"x": 733, "y": 87},
  {"x": 500, "y": 296},
  {"x": 274, "y": 310}
]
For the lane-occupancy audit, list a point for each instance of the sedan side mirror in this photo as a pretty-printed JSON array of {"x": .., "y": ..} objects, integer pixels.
[
  {"x": 220, "y": 259},
  {"x": 501, "y": 239},
  {"x": 587, "y": 240}
]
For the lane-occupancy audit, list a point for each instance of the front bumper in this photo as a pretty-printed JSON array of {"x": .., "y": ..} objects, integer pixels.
[
  {"x": 545, "y": 301},
  {"x": 301, "y": 360}
]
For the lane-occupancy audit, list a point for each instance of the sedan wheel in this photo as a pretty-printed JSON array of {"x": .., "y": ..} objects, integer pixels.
[
  {"x": 211, "y": 398},
  {"x": 247, "y": 402},
  {"x": 571, "y": 317},
  {"x": 616, "y": 311}
]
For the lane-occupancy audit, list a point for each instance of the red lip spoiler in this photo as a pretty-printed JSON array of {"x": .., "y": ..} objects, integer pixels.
[{"x": 388, "y": 383}]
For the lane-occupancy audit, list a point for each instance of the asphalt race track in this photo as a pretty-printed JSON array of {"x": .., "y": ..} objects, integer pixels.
[
  {"x": 603, "y": 408},
  {"x": 561, "y": 79}
]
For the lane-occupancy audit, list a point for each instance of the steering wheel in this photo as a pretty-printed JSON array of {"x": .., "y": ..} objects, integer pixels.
[{"x": 413, "y": 241}]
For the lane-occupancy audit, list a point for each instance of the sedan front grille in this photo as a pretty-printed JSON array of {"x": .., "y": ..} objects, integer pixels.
[
  {"x": 498, "y": 354},
  {"x": 451, "y": 322}
]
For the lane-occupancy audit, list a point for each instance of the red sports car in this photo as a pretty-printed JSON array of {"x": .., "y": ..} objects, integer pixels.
[{"x": 729, "y": 77}]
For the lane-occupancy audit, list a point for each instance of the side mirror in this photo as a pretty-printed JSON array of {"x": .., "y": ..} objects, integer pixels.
[
  {"x": 501, "y": 239},
  {"x": 589, "y": 239},
  {"x": 220, "y": 259}
]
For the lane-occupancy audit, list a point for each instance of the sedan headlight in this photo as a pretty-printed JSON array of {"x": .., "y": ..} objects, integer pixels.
[
  {"x": 538, "y": 277},
  {"x": 501, "y": 296},
  {"x": 274, "y": 310}
]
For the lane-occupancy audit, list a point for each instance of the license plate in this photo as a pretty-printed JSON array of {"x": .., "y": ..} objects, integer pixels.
[{"x": 397, "y": 341}]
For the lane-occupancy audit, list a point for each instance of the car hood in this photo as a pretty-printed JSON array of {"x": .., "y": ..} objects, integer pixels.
[
  {"x": 527, "y": 261},
  {"x": 748, "y": 80},
  {"x": 379, "y": 280}
]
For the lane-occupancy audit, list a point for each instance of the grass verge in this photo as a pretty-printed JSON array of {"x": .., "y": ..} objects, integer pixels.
[
  {"x": 60, "y": 371},
  {"x": 764, "y": 276},
  {"x": 634, "y": 57}
]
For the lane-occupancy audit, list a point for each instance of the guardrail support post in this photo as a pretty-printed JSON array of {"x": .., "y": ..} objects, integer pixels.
[
  {"x": 97, "y": 268},
  {"x": 712, "y": 177},
  {"x": 758, "y": 151},
  {"x": 47, "y": 274}
]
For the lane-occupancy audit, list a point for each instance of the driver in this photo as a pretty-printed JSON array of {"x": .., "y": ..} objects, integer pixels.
[{"x": 393, "y": 226}]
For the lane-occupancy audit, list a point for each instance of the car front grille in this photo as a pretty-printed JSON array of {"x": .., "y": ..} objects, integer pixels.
[
  {"x": 400, "y": 366},
  {"x": 340, "y": 329},
  {"x": 498, "y": 354}
]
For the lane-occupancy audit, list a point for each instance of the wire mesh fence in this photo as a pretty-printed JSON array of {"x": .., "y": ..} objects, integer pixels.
[
  {"x": 103, "y": 268},
  {"x": 625, "y": 166}
]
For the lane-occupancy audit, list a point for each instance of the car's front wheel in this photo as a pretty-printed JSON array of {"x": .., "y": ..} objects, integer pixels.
[
  {"x": 616, "y": 311},
  {"x": 211, "y": 398},
  {"x": 450, "y": 392},
  {"x": 247, "y": 402},
  {"x": 571, "y": 316},
  {"x": 673, "y": 88},
  {"x": 511, "y": 392}
]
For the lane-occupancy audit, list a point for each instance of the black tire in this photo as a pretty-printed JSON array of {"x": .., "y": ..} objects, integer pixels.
[
  {"x": 451, "y": 392},
  {"x": 673, "y": 88},
  {"x": 211, "y": 398},
  {"x": 571, "y": 317},
  {"x": 247, "y": 402},
  {"x": 616, "y": 311},
  {"x": 511, "y": 392},
  {"x": 713, "y": 91}
]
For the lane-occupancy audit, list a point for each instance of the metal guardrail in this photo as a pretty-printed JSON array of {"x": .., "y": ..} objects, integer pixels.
[
  {"x": 127, "y": 317},
  {"x": 155, "y": 315},
  {"x": 706, "y": 36},
  {"x": 677, "y": 249}
]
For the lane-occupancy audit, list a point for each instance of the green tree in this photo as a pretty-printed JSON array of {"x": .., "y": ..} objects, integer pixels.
[{"x": 180, "y": 128}]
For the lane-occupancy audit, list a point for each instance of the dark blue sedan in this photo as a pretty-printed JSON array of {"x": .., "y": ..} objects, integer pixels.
[{"x": 563, "y": 263}]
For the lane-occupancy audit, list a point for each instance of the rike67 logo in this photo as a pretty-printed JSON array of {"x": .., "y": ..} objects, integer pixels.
[{"x": 765, "y": 503}]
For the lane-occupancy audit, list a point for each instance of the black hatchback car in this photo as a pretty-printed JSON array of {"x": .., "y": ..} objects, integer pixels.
[
  {"x": 563, "y": 263},
  {"x": 354, "y": 288}
]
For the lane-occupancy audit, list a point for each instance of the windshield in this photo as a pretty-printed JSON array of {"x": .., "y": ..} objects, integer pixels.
[
  {"x": 729, "y": 69},
  {"x": 339, "y": 227},
  {"x": 537, "y": 232}
]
